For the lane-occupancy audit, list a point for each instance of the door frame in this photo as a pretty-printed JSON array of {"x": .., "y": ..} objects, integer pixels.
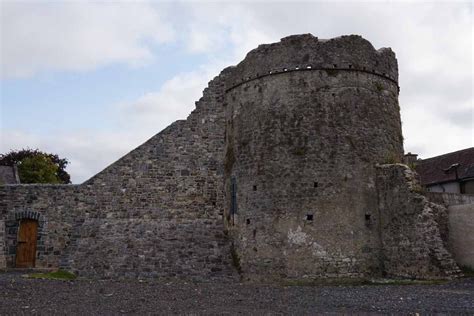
[
  {"x": 22, "y": 222},
  {"x": 12, "y": 223}
]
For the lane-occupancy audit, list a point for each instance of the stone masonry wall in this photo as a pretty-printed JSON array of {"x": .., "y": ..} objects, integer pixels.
[
  {"x": 460, "y": 224},
  {"x": 156, "y": 212},
  {"x": 449, "y": 199},
  {"x": 409, "y": 228},
  {"x": 57, "y": 209},
  {"x": 461, "y": 236}
]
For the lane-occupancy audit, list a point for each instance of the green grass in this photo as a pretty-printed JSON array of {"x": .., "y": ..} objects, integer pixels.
[
  {"x": 56, "y": 275},
  {"x": 324, "y": 281},
  {"x": 467, "y": 271}
]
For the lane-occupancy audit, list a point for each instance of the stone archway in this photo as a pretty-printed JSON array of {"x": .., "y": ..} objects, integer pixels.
[{"x": 26, "y": 230}]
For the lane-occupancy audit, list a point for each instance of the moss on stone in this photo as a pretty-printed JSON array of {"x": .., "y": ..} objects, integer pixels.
[
  {"x": 332, "y": 72},
  {"x": 235, "y": 259}
]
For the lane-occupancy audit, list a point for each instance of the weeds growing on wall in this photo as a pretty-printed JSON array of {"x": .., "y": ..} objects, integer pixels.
[
  {"x": 391, "y": 158},
  {"x": 235, "y": 259},
  {"x": 379, "y": 87}
]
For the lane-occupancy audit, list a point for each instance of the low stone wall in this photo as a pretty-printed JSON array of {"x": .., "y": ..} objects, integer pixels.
[
  {"x": 412, "y": 244},
  {"x": 461, "y": 236},
  {"x": 460, "y": 226},
  {"x": 449, "y": 199},
  {"x": 55, "y": 207}
]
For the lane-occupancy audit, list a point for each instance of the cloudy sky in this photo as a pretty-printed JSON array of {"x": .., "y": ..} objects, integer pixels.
[{"x": 93, "y": 80}]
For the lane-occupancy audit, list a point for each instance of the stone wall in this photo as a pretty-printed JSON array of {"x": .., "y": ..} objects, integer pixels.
[
  {"x": 449, "y": 199},
  {"x": 411, "y": 228},
  {"x": 156, "y": 212},
  {"x": 56, "y": 207},
  {"x": 461, "y": 234},
  {"x": 460, "y": 226}
]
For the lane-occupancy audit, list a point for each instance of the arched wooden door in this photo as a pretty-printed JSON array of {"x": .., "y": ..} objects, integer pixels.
[{"x": 26, "y": 243}]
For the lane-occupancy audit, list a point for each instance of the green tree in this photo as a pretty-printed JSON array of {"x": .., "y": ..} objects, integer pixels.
[
  {"x": 30, "y": 170},
  {"x": 38, "y": 169}
]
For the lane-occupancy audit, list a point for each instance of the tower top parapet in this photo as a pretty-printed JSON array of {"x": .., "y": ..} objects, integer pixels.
[{"x": 307, "y": 52}]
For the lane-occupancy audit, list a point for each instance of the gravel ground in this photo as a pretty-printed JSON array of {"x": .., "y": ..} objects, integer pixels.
[{"x": 19, "y": 295}]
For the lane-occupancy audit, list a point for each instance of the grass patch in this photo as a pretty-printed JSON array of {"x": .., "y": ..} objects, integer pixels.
[
  {"x": 56, "y": 275},
  {"x": 467, "y": 271},
  {"x": 391, "y": 158},
  {"x": 324, "y": 281}
]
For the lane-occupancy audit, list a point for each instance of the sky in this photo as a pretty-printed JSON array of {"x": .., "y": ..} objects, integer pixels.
[{"x": 92, "y": 80}]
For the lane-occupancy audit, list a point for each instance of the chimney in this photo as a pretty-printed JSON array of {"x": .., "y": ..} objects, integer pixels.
[{"x": 410, "y": 158}]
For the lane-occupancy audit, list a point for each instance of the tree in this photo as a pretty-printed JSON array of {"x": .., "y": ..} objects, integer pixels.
[
  {"x": 38, "y": 169},
  {"x": 35, "y": 166}
]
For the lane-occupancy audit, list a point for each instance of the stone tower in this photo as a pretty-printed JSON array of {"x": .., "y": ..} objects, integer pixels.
[{"x": 307, "y": 120}]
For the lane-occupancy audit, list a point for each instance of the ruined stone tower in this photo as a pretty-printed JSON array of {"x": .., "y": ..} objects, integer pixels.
[
  {"x": 307, "y": 121},
  {"x": 286, "y": 169}
]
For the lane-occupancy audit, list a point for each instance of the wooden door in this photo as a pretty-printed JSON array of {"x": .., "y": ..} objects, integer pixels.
[{"x": 26, "y": 244}]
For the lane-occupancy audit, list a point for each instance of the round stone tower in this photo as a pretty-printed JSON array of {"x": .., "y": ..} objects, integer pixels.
[{"x": 307, "y": 120}]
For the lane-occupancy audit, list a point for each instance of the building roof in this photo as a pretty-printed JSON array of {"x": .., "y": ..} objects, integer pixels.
[
  {"x": 8, "y": 175},
  {"x": 443, "y": 168}
]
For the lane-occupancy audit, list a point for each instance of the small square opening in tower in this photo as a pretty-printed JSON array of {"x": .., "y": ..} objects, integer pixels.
[
  {"x": 255, "y": 188},
  {"x": 309, "y": 217},
  {"x": 315, "y": 184}
]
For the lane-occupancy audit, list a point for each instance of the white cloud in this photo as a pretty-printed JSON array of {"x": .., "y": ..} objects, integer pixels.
[
  {"x": 87, "y": 151},
  {"x": 433, "y": 43},
  {"x": 77, "y": 36},
  {"x": 174, "y": 100},
  {"x": 90, "y": 151}
]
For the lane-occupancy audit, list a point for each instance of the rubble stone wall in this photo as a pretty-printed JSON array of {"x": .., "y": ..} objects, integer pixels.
[
  {"x": 156, "y": 212},
  {"x": 411, "y": 228}
]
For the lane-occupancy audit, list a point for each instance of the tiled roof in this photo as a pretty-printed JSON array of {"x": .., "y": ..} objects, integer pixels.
[
  {"x": 443, "y": 168},
  {"x": 8, "y": 175}
]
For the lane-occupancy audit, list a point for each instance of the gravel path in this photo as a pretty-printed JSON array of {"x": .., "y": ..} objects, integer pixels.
[{"x": 19, "y": 295}]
